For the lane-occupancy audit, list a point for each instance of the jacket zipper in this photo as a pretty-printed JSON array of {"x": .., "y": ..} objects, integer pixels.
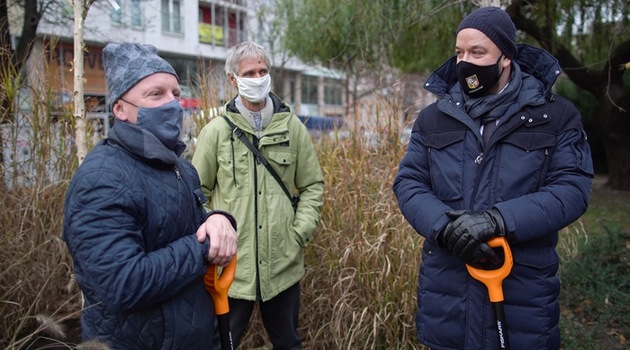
[
  {"x": 256, "y": 252},
  {"x": 193, "y": 200},
  {"x": 479, "y": 162},
  {"x": 543, "y": 169}
]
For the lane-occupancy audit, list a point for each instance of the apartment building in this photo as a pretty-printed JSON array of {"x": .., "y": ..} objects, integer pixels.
[{"x": 193, "y": 36}]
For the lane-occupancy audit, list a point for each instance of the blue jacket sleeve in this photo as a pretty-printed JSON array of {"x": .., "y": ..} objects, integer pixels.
[
  {"x": 412, "y": 187},
  {"x": 103, "y": 230},
  {"x": 563, "y": 197}
]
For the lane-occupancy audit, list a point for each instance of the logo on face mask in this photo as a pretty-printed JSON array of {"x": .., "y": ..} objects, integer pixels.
[
  {"x": 472, "y": 81},
  {"x": 477, "y": 81}
]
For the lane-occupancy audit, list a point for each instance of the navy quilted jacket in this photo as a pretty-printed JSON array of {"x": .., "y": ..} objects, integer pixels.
[
  {"x": 536, "y": 170},
  {"x": 130, "y": 216}
]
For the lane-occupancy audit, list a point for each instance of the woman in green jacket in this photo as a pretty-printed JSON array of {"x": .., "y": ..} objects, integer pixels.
[{"x": 273, "y": 228}]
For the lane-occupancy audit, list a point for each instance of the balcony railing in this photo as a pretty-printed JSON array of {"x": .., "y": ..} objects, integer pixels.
[{"x": 220, "y": 35}]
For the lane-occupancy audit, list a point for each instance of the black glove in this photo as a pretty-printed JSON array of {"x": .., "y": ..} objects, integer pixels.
[
  {"x": 444, "y": 234},
  {"x": 466, "y": 235}
]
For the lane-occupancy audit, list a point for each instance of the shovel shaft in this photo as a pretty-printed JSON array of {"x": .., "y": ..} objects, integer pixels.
[
  {"x": 504, "y": 343},
  {"x": 493, "y": 279},
  {"x": 218, "y": 286},
  {"x": 224, "y": 331}
]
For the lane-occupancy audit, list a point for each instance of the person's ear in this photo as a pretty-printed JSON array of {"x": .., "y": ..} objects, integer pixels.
[
  {"x": 232, "y": 79},
  {"x": 119, "y": 112}
]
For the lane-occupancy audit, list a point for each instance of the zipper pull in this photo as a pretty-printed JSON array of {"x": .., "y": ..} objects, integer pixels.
[
  {"x": 179, "y": 176},
  {"x": 479, "y": 159}
]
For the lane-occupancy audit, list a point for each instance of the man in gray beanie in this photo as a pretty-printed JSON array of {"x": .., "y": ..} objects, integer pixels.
[
  {"x": 134, "y": 220},
  {"x": 498, "y": 155}
]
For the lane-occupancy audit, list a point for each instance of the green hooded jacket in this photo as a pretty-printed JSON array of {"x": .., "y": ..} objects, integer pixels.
[{"x": 271, "y": 235}]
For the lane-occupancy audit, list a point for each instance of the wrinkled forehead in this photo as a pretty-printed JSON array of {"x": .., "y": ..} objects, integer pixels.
[{"x": 252, "y": 63}]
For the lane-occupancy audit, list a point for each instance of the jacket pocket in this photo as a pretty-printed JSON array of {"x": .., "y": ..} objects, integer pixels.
[
  {"x": 446, "y": 163},
  {"x": 536, "y": 257},
  {"x": 234, "y": 170},
  {"x": 283, "y": 162},
  {"x": 529, "y": 141},
  {"x": 525, "y": 161}
]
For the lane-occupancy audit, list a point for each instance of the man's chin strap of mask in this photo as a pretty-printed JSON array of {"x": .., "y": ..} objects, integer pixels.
[{"x": 133, "y": 104}]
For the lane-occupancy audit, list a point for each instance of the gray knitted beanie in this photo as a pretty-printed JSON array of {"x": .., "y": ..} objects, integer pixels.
[
  {"x": 128, "y": 63},
  {"x": 497, "y": 25}
]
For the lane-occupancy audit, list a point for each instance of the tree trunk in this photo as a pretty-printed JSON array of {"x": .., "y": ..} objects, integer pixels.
[
  {"x": 617, "y": 145},
  {"x": 13, "y": 60},
  {"x": 80, "y": 11},
  {"x": 29, "y": 32},
  {"x": 613, "y": 116},
  {"x": 5, "y": 34}
]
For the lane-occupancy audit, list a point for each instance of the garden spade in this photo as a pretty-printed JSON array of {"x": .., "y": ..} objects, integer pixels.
[
  {"x": 493, "y": 279},
  {"x": 218, "y": 286}
]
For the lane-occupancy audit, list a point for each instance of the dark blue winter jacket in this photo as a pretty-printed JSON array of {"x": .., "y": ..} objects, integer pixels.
[
  {"x": 536, "y": 170},
  {"x": 130, "y": 217}
]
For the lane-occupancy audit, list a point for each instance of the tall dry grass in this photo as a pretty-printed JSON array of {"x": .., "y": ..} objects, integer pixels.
[
  {"x": 37, "y": 291},
  {"x": 362, "y": 267}
]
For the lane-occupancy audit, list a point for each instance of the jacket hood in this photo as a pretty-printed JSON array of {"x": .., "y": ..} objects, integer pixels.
[{"x": 532, "y": 60}]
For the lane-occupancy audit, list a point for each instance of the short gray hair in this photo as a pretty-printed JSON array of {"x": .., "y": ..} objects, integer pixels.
[{"x": 246, "y": 49}]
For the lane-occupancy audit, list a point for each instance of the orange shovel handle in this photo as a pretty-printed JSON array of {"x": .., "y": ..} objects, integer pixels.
[
  {"x": 493, "y": 279},
  {"x": 218, "y": 286}
]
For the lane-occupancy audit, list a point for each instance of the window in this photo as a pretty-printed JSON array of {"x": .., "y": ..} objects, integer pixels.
[
  {"x": 211, "y": 25},
  {"x": 221, "y": 25},
  {"x": 127, "y": 12},
  {"x": 172, "y": 17},
  {"x": 115, "y": 14},
  {"x": 309, "y": 89},
  {"x": 136, "y": 13},
  {"x": 333, "y": 91}
]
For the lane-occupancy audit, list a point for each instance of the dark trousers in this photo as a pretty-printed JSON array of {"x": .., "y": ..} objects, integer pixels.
[{"x": 279, "y": 316}]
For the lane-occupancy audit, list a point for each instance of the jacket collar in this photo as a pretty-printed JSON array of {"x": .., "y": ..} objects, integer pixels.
[
  {"x": 144, "y": 145},
  {"x": 278, "y": 105},
  {"x": 532, "y": 60},
  {"x": 281, "y": 112}
]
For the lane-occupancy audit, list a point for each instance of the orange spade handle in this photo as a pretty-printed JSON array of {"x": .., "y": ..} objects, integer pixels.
[
  {"x": 218, "y": 286},
  {"x": 493, "y": 279}
]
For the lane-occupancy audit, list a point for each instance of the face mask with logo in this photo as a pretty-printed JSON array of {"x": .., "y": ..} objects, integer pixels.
[
  {"x": 477, "y": 81},
  {"x": 165, "y": 121},
  {"x": 254, "y": 89}
]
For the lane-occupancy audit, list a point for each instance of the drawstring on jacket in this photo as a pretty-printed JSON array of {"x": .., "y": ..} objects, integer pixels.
[{"x": 233, "y": 158}]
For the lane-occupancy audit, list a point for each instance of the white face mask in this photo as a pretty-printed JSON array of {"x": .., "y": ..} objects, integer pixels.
[{"x": 254, "y": 89}]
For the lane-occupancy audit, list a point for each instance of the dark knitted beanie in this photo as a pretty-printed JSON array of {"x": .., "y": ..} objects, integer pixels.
[
  {"x": 497, "y": 25},
  {"x": 128, "y": 63}
]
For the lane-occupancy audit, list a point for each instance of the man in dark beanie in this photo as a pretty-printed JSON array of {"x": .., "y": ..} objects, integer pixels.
[
  {"x": 134, "y": 220},
  {"x": 498, "y": 155}
]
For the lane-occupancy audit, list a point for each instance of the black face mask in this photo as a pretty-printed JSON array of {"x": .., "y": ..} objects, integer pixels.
[{"x": 477, "y": 81}]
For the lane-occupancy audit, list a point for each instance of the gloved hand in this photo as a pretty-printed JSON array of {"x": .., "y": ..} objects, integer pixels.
[
  {"x": 466, "y": 235},
  {"x": 444, "y": 234}
]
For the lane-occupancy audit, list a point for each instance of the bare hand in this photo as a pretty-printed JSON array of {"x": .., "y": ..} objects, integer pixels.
[{"x": 222, "y": 237}]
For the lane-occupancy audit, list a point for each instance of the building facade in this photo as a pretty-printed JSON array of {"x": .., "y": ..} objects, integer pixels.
[{"x": 194, "y": 36}]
